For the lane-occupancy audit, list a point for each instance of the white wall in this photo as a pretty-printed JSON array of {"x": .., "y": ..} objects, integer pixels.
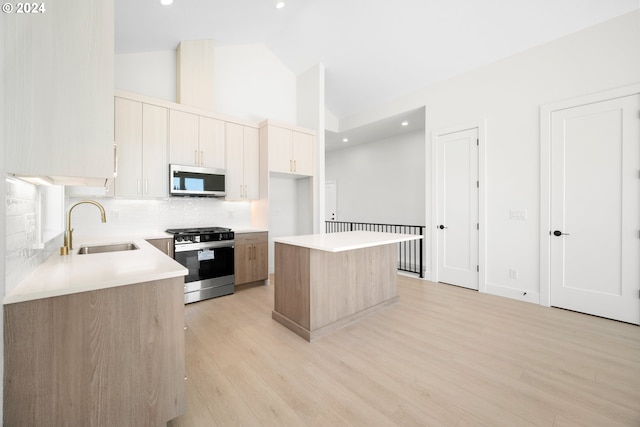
[
  {"x": 508, "y": 95},
  {"x": 311, "y": 114},
  {"x": 151, "y": 73},
  {"x": 249, "y": 82},
  {"x": 380, "y": 182}
]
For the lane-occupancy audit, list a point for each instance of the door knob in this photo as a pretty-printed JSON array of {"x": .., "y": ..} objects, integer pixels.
[
  {"x": 441, "y": 227},
  {"x": 560, "y": 233}
]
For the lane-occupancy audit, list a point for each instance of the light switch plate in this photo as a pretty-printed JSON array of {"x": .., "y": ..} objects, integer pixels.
[{"x": 518, "y": 215}]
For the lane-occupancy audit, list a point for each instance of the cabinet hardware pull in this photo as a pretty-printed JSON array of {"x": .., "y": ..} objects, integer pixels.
[
  {"x": 290, "y": 165},
  {"x": 195, "y": 157},
  {"x": 295, "y": 166},
  {"x": 146, "y": 186},
  {"x": 137, "y": 185},
  {"x": 115, "y": 160},
  {"x": 245, "y": 192},
  {"x": 201, "y": 158}
]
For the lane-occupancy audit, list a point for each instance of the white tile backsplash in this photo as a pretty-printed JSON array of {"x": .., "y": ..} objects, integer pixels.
[
  {"x": 139, "y": 217},
  {"x": 125, "y": 217},
  {"x": 23, "y": 252}
]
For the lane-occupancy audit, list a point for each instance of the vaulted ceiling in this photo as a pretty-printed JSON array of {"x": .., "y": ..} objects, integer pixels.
[{"x": 373, "y": 50}]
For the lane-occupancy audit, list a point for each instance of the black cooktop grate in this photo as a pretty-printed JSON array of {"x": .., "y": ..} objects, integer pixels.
[{"x": 198, "y": 230}]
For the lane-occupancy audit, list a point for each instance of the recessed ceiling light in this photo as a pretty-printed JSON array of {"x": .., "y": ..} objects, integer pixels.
[
  {"x": 405, "y": 123},
  {"x": 166, "y": 2},
  {"x": 345, "y": 139},
  {"x": 279, "y": 4}
]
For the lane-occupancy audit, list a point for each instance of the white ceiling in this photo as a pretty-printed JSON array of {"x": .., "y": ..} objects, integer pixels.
[{"x": 373, "y": 50}]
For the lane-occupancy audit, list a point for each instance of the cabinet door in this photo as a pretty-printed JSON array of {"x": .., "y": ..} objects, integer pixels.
[
  {"x": 128, "y": 137},
  {"x": 251, "y": 163},
  {"x": 260, "y": 266},
  {"x": 279, "y": 143},
  {"x": 251, "y": 257},
  {"x": 183, "y": 138},
  {"x": 303, "y": 154},
  {"x": 155, "y": 166},
  {"x": 163, "y": 244},
  {"x": 59, "y": 90},
  {"x": 212, "y": 143},
  {"x": 234, "y": 136},
  {"x": 242, "y": 264}
]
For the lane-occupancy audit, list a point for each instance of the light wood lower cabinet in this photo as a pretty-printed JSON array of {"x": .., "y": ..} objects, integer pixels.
[
  {"x": 111, "y": 357},
  {"x": 164, "y": 244},
  {"x": 251, "y": 257}
]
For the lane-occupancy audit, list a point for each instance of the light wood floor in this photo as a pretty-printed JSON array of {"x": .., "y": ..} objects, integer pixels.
[{"x": 441, "y": 356}]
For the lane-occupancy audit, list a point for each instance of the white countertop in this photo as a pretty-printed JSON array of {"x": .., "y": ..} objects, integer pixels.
[
  {"x": 69, "y": 274},
  {"x": 345, "y": 241},
  {"x": 249, "y": 230}
]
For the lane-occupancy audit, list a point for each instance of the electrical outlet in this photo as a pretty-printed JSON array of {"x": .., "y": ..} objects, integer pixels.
[{"x": 514, "y": 273}]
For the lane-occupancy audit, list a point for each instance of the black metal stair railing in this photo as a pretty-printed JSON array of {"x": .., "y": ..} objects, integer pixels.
[{"x": 410, "y": 254}]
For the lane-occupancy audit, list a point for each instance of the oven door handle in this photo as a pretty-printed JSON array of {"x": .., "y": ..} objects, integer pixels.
[{"x": 204, "y": 245}]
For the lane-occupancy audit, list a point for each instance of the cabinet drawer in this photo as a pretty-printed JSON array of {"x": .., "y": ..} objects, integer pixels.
[{"x": 251, "y": 238}]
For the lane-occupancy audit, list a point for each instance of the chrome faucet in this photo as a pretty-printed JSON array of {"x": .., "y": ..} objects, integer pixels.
[{"x": 68, "y": 233}]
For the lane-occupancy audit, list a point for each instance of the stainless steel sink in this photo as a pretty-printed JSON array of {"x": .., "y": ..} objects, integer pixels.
[{"x": 115, "y": 247}]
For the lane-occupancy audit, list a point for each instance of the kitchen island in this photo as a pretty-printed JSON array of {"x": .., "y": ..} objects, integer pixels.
[{"x": 326, "y": 281}]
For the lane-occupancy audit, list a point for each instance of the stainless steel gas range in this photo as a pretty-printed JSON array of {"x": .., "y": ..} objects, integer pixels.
[{"x": 208, "y": 254}]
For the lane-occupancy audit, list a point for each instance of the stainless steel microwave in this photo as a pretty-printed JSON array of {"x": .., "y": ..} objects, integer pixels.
[{"x": 196, "y": 181}]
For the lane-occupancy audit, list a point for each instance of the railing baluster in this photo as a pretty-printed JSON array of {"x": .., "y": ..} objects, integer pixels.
[{"x": 410, "y": 254}]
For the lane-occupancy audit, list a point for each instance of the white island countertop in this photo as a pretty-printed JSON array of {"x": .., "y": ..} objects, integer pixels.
[
  {"x": 346, "y": 241},
  {"x": 70, "y": 274}
]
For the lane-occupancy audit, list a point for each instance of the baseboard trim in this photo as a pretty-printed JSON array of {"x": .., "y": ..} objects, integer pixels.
[{"x": 513, "y": 293}]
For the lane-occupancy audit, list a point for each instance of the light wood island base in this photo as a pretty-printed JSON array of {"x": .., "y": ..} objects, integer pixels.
[{"x": 318, "y": 291}]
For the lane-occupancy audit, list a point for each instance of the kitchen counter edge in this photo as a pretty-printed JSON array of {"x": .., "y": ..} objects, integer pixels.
[
  {"x": 345, "y": 241},
  {"x": 70, "y": 274}
]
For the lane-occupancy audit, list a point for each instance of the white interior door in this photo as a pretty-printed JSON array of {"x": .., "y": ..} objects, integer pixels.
[
  {"x": 595, "y": 209},
  {"x": 330, "y": 201},
  {"x": 457, "y": 228}
]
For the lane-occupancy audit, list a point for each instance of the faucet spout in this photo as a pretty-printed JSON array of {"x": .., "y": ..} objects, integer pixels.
[{"x": 68, "y": 233}]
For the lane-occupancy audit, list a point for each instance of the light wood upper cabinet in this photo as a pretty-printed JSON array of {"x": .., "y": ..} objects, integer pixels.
[
  {"x": 302, "y": 153},
  {"x": 280, "y": 155},
  {"x": 290, "y": 151},
  {"x": 141, "y": 139},
  {"x": 183, "y": 138},
  {"x": 155, "y": 165},
  {"x": 59, "y": 91},
  {"x": 243, "y": 162},
  {"x": 196, "y": 140},
  {"x": 212, "y": 143},
  {"x": 251, "y": 162}
]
